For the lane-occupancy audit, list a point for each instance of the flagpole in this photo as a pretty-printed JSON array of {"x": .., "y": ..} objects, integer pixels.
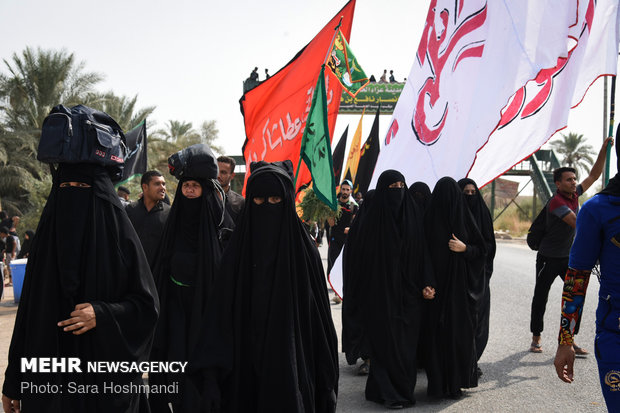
[
  {"x": 612, "y": 106},
  {"x": 329, "y": 49}
]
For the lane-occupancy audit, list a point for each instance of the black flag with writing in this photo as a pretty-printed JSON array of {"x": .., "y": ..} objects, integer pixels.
[
  {"x": 368, "y": 158},
  {"x": 338, "y": 155}
]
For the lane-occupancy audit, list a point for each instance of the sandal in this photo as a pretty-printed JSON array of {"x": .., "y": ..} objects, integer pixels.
[
  {"x": 580, "y": 351},
  {"x": 536, "y": 348}
]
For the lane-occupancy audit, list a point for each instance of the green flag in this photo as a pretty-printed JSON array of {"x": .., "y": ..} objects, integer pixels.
[
  {"x": 316, "y": 150},
  {"x": 344, "y": 65}
]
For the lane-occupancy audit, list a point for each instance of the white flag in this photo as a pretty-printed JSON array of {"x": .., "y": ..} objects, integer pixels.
[{"x": 492, "y": 81}]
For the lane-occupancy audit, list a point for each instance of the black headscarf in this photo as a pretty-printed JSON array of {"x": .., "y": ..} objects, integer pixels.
[
  {"x": 385, "y": 272},
  {"x": 185, "y": 268},
  {"x": 85, "y": 251},
  {"x": 270, "y": 339},
  {"x": 421, "y": 194},
  {"x": 451, "y": 353}
]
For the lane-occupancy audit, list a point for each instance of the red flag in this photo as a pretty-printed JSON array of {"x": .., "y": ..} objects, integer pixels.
[{"x": 275, "y": 111}]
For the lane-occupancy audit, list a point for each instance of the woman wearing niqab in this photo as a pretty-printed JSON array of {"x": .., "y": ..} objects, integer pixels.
[
  {"x": 389, "y": 288},
  {"x": 270, "y": 341},
  {"x": 84, "y": 257},
  {"x": 421, "y": 194},
  {"x": 353, "y": 343},
  {"x": 185, "y": 269},
  {"x": 482, "y": 217},
  {"x": 458, "y": 253}
]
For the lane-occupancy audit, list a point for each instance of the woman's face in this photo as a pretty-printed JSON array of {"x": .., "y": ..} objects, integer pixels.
[
  {"x": 270, "y": 199},
  {"x": 469, "y": 189},
  {"x": 191, "y": 189},
  {"x": 397, "y": 184}
]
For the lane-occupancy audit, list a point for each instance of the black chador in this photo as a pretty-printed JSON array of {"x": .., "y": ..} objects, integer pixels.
[
  {"x": 270, "y": 340},
  {"x": 421, "y": 194},
  {"x": 85, "y": 251},
  {"x": 387, "y": 289},
  {"x": 482, "y": 217},
  {"x": 185, "y": 269},
  {"x": 354, "y": 344},
  {"x": 450, "y": 350}
]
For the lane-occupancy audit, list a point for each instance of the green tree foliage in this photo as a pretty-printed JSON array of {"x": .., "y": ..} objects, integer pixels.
[
  {"x": 122, "y": 108},
  {"x": 574, "y": 152},
  {"x": 35, "y": 81}
]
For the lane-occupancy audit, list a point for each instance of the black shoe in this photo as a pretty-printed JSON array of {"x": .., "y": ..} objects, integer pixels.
[{"x": 479, "y": 372}]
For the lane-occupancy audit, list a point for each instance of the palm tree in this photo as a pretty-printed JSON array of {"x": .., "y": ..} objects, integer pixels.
[
  {"x": 576, "y": 154},
  {"x": 36, "y": 81},
  {"x": 121, "y": 108}
]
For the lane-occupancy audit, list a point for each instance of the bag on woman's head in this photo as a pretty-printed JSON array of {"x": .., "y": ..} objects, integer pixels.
[
  {"x": 196, "y": 161},
  {"x": 83, "y": 135}
]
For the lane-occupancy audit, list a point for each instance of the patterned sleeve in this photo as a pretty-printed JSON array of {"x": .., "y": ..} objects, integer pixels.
[
  {"x": 573, "y": 296},
  {"x": 583, "y": 255}
]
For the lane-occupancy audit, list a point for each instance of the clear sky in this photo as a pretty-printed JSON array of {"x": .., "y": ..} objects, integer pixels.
[{"x": 189, "y": 58}]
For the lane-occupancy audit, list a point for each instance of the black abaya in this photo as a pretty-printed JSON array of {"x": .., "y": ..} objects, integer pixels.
[
  {"x": 185, "y": 269},
  {"x": 85, "y": 251},
  {"x": 353, "y": 343},
  {"x": 270, "y": 340},
  {"x": 482, "y": 217},
  {"x": 392, "y": 270},
  {"x": 450, "y": 349}
]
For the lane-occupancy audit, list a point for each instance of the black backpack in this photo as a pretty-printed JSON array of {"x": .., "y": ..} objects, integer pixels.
[
  {"x": 537, "y": 230},
  {"x": 83, "y": 135},
  {"x": 196, "y": 161}
]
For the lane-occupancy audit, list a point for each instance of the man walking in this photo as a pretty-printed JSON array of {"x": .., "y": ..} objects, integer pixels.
[
  {"x": 234, "y": 201},
  {"x": 552, "y": 258},
  {"x": 340, "y": 227},
  {"x": 148, "y": 214}
]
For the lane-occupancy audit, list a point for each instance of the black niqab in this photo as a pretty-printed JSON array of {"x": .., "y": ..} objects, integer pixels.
[
  {"x": 85, "y": 251},
  {"x": 185, "y": 269},
  {"x": 421, "y": 194},
  {"x": 452, "y": 319},
  {"x": 383, "y": 289},
  {"x": 297, "y": 369}
]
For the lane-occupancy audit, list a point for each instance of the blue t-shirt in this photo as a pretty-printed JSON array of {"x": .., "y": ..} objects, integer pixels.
[{"x": 597, "y": 223}]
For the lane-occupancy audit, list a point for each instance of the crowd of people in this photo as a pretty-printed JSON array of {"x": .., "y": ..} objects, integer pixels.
[{"x": 236, "y": 288}]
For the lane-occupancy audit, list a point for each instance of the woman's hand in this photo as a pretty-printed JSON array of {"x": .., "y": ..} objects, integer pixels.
[
  {"x": 456, "y": 244},
  {"x": 82, "y": 319}
]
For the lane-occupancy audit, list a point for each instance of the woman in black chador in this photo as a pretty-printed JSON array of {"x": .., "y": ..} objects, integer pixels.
[
  {"x": 185, "y": 269},
  {"x": 88, "y": 293},
  {"x": 270, "y": 343},
  {"x": 354, "y": 344},
  {"x": 482, "y": 217},
  {"x": 389, "y": 288},
  {"x": 421, "y": 194},
  {"x": 458, "y": 255}
]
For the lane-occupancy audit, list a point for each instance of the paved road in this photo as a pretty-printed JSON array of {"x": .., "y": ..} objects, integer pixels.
[{"x": 514, "y": 380}]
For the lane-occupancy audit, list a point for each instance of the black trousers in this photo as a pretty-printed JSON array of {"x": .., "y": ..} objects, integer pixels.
[{"x": 547, "y": 269}]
